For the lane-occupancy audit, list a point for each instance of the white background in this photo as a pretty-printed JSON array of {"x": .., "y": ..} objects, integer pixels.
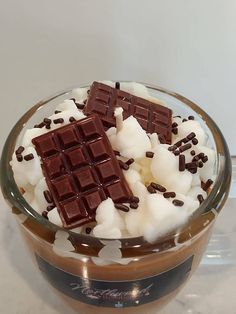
[{"x": 188, "y": 46}]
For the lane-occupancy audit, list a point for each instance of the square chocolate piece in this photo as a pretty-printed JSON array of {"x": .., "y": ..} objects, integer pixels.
[
  {"x": 153, "y": 118},
  {"x": 81, "y": 170}
]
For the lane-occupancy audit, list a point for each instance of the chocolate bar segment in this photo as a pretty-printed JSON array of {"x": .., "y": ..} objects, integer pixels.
[
  {"x": 81, "y": 170},
  {"x": 153, "y": 118}
]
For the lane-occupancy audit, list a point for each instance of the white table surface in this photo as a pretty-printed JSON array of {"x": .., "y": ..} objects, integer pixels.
[{"x": 23, "y": 291}]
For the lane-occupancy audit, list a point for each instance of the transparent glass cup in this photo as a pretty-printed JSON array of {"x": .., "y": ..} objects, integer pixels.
[{"x": 137, "y": 276}]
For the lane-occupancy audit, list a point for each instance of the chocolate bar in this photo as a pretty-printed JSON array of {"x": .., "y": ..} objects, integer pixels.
[
  {"x": 81, "y": 170},
  {"x": 153, "y": 118}
]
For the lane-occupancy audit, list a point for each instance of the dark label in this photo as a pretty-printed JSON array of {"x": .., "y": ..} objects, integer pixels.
[{"x": 116, "y": 293}]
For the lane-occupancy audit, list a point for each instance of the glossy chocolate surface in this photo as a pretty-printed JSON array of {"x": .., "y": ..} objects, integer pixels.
[
  {"x": 81, "y": 170},
  {"x": 153, "y": 118}
]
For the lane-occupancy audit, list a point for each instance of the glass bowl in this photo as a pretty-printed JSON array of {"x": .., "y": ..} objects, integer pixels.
[{"x": 140, "y": 277}]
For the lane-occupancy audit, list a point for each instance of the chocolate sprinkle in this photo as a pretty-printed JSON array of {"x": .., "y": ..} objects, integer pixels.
[
  {"x": 47, "y": 121},
  {"x": 41, "y": 125},
  {"x": 184, "y": 120},
  {"x": 193, "y": 171},
  {"x": 20, "y": 150},
  {"x": 129, "y": 161},
  {"x": 88, "y": 230},
  {"x": 193, "y": 152},
  {"x": 200, "y": 164},
  {"x": 198, "y": 157},
  {"x": 116, "y": 152},
  {"x": 19, "y": 157},
  {"x": 200, "y": 198},
  {"x": 123, "y": 165},
  {"x": 179, "y": 143},
  {"x": 181, "y": 162},
  {"x": 205, "y": 159},
  {"x": 175, "y": 131},
  {"x": 133, "y": 205},
  {"x": 194, "y": 141},
  {"x": 122, "y": 207},
  {"x": 149, "y": 154},
  {"x": 185, "y": 147},
  {"x": 172, "y": 148},
  {"x": 191, "y": 118},
  {"x": 29, "y": 157},
  {"x": 48, "y": 196},
  {"x": 191, "y": 165},
  {"x": 169, "y": 194},
  {"x": 117, "y": 85},
  {"x": 151, "y": 189},
  {"x": 207, "y": 184},
  {"x": 176, "y": 152},
  {"x": 50, "y": 207},
  {"x": 80, "y": 106},
  {"x": 178, "y": 202},
  {"x": 191, "y": 136},
  {"x": 59, "y": 120},
  {"x": 195, "y": 158},
  {"x": 57, "y": 111},
  {"x": 72, "y": 119},
  {"x": 158, "y": 187},
  {"x": 134, "y": 199},
  {"x": 45, "y": 214},
  {"x": 174, "y": 125}
]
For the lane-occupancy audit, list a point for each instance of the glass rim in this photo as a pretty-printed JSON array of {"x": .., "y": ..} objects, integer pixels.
[{"x": 215, "y": 199}]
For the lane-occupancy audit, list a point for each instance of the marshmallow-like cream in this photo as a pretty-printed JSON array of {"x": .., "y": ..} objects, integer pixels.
[
  {"x": 155, "y": 215},
  {"x": 109, "y": 221},
  {"x": 132, "y": 141}
]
